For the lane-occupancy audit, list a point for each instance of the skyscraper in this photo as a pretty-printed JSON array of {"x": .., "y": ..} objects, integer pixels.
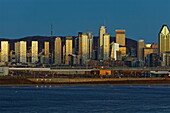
[
  {"x": 17, "y": 51},
  {"x": 106, "y": 47},
  {"x": 77, "y": 42},
  {"x": 23, "y": 51},
  {"x": 34, "y": 51},
  {"x": 57, "y": 51},
  {"x": 164, "y": 39},
  {"x": 90, "y": 38},
  {"x": 120, "y": 37},
  {"x": 141, "y": 45},
  {"x": 80, "y": 45},
  {"x": 85, "y": 48},
  {"x": 4, "y": 51},
  {"x": 101, "y": 42},
  {"x": 64, "y": 54},
  {"x": 46, "y": 52},
  {"x": 69, "y": 50}
]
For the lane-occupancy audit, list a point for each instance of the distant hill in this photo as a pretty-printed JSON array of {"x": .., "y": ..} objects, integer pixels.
[{"x": 130, "y": 44}]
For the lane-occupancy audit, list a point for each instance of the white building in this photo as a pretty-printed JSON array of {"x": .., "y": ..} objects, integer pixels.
[
  {"x": 114, "y": 49},
  {"x": 4, "y": 51},
  {"x": 34, "y": 50}
]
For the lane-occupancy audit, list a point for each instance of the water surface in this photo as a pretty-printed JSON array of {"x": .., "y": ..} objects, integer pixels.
[{"x": 85, "y": 99}]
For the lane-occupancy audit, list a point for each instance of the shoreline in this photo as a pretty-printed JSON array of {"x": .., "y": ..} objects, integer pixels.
[
  {"x": 81, "y": 81},
  {"x": 63, "y": 85}
]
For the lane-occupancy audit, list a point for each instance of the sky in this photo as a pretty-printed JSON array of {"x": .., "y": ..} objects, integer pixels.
[{"x": 142, "y": 19}]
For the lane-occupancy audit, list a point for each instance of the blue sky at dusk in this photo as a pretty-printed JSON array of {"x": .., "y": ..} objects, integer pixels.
[{"x": 141, "y": 19}]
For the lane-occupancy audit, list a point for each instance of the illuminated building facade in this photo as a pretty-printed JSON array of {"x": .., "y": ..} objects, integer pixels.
[
  {"x": 141, "y": 45},
  {"x": 46, "y": 52},
  {"x": 68, "y": 50},
  {"x": 90, "y": 38},
  {"x": 4, "y": 51},
  {"x": 106, "y": 47},
  {"x": 57, "y": 51},
  {"x": 17, "y": 51},
  {"x": 164, "y": 39},
  {"x": 85, "y": 48},
  {"x": 114, "y": 49},
  {"x": 122, "y": 49},
  {"x": 120, "y": 37},
  {"x": 23, "y": 51},
  {"x": 149, "y": 49},
  {"x": 34, "y": 51},
  {"x": 102, "y": 31}
]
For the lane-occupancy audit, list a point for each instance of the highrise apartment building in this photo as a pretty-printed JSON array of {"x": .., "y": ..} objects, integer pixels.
[
  {"x": 17, "y": 51},
  {"x": 120, "y": 37},
  {"x": 102, "y": 31},
  {"x": 23, "y": 51},
  {"x": 57, "y": 51},
  {"x": 34, "y": 51},
  {"x": 85, "y": 48},
  {"x": 46, "y": 52},
  {"x": 64, "y": 54},
  {"x": 68, "y": 50},
  {"x": 106, "y": 47},
  {"x": 4, "y": 51}
]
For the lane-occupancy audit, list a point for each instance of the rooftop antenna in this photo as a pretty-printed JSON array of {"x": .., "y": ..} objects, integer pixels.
[{"x": 51, "y": 30}]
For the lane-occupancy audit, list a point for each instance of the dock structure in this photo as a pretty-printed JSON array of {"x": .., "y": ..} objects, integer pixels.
[
  {"x": 117, "y": 75},
  {"x": 117, "y": 72},
  {"x": 91, "y": 69}
]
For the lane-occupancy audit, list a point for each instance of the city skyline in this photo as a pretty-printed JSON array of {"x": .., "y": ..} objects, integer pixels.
[
  {"x": 141, "y": 19},
  {"x": 84, "y": 56},
  {"x": 85, "y": 49}
]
